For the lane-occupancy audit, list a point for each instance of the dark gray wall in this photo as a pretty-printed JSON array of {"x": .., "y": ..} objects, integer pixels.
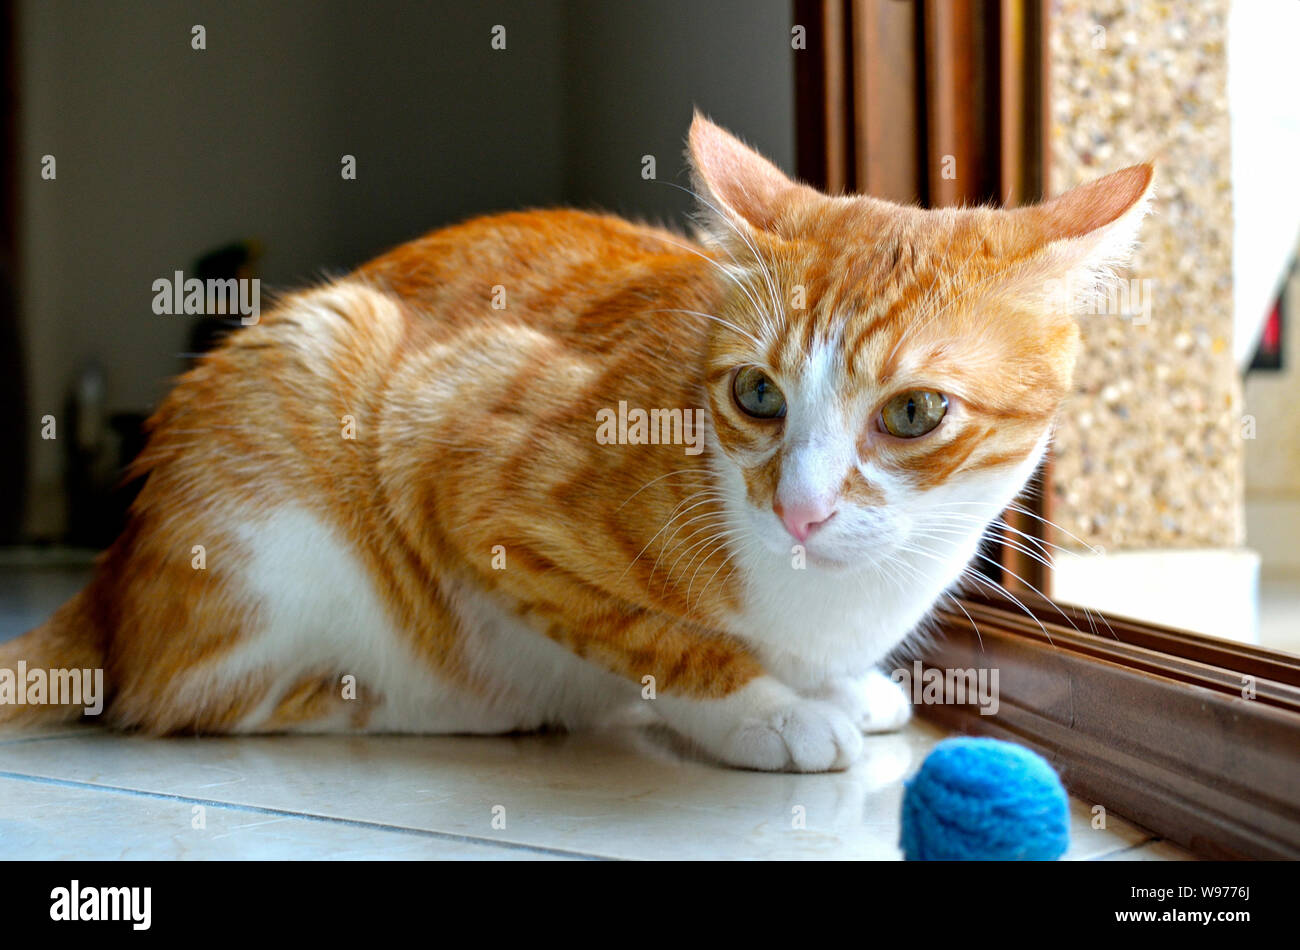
[
  {"x": 634, "y": 73},
  {"x": 165, "y": 152}
]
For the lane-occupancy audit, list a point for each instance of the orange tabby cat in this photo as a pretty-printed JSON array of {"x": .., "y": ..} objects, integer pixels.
[{"x": 541, "y": 466}]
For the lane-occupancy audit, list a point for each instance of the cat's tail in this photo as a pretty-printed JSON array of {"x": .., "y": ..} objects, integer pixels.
[{"x": 54, "y": 672}]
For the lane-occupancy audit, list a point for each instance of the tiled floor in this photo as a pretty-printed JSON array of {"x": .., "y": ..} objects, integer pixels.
[
  {"x": 87, "y": 794},
  {"x": 625, "y": 793}
]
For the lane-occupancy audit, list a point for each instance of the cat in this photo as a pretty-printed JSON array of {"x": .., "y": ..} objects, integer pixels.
[{"x": 400, "y": 502}]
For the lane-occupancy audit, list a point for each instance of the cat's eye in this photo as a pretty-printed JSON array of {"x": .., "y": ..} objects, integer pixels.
[
  {"x": 912, "y": 414},
  {"x": 756, "y": 394}
]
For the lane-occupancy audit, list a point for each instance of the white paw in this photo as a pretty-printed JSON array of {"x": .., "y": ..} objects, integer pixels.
[
  {"x": 805, "y": 736},
  {"x": 875, "y": 703}
]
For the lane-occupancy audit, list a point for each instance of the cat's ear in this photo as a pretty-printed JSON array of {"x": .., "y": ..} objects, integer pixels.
[
  {"x": 1086, "y": 234},
  {"x": 737, "y": 186}
]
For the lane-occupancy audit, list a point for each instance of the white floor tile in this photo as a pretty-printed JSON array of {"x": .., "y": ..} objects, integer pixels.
[
  {"x": 41, "y": 821},
  {"x": 625, "y": 794}
]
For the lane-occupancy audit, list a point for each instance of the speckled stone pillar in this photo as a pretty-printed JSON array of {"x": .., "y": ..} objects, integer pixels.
[{"x": 1149, "y": 452}]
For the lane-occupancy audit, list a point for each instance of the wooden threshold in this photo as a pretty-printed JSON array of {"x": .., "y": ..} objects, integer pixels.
[{"x": 1193, "y": 738}]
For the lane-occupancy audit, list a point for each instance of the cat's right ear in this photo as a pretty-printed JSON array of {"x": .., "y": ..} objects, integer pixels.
[
  {"x": 1085, "y": 235},
  {"x": 738, "y": 187}
]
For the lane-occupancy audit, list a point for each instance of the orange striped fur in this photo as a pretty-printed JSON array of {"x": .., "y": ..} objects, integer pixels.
[{"x": 472, "y": 558}]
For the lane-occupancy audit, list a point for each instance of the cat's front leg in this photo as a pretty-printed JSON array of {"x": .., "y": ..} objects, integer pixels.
[
  {"x": 766, "y": 725},
  {"x": 716, "y": 691},
  {"x": 874, "y": 702}
]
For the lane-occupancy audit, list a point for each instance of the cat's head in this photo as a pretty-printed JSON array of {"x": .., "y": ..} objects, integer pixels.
[{"x": 883, "y": 378}]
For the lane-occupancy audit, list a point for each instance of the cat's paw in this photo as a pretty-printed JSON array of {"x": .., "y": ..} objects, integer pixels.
[
  {"x": 766, "y": 725},
  {"x": 875, "y": 703},
  {"x": 806, "y": 736}
]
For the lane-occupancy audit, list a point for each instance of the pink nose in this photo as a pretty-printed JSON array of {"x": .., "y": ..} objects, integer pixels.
[{"x": 802, "y": 517}]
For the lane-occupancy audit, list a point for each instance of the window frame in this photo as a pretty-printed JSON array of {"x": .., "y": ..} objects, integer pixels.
[{"x": 1196, "y": 739}]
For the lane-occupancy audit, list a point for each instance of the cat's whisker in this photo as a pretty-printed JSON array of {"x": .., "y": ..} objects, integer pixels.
[
  {"x": 680, "y": 471},
  {"x": 709, "y": 520},
  {"x": 700, "y": 496},
  {"x": 727, "y": 220},
  {"x": 748, "y": 543},
  {"x": 705, "y": 589},
  {"x": 722, "y": 539},
  {"x": 959, "y": 533},
  {"x": 1041, "y": 557},
  {"x": 976, "y": 627},
  {"x": 1027, "y": 586},
  {"x": 715, "y": 319},
  {"x": 732, "y": 561},
  {"x": 702, "y": 519},
  {"x": 1043, "y": 546},
  {"x": 956, "y": 601},
  {"x": 997, "y": 524},
  {"x": 974, "y": 575},
  {"x": 773, "y": 297},
  {"x": 882, "y": 569},
  {"x": 978, "y": 578},
  {"x": 720, "y": 523},
  {"x": 1020, "y": 509},
  {"x": 723, "y": 269},
  {"x": 706, "y": 498},
  {"x": 672, "y": 515},
  {"x": 1000, "y": 523}
]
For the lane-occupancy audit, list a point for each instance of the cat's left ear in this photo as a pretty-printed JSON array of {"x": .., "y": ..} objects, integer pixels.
[
  {"x": 737, "y": 186},
  {"x": 1084, "y": 235}
]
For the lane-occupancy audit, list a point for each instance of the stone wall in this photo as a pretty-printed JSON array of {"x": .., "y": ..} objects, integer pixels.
[{"x": 1149, "y": 452}]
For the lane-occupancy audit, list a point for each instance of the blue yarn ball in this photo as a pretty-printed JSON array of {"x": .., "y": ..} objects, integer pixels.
[{"x": 984, "y": 800}]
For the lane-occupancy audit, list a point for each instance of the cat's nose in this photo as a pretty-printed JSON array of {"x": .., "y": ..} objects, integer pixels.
[{"x": 801, "y": 518}]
